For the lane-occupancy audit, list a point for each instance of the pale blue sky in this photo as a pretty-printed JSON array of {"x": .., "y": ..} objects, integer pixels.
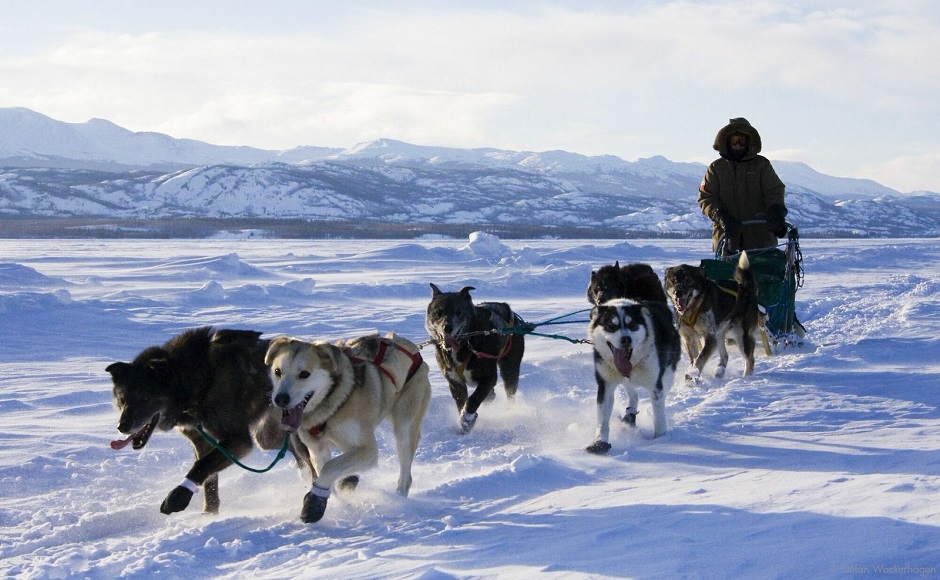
[{"x": 850, "y": 87}]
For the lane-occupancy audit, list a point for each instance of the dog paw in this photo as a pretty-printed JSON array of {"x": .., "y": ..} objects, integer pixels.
[
  {"x": 467, "y": 421},
  {"x": 314, "y": 506},
  {"x": 598, "y": 448},
  {"x": 719, "y": 372},
  {"x": 176, "y": 501},
  {"x": 348, "y": 484}
]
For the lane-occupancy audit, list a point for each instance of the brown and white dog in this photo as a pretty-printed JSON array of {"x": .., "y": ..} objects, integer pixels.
[
  {"x": 709, "y": 313},
  {"x": 335, "y": 395}
]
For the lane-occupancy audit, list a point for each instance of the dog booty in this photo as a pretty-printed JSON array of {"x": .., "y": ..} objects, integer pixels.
[
  {"x": 314, "y": 505},
  {"x": 598, "y": 448},
  {"x": 629, "y": 416}
]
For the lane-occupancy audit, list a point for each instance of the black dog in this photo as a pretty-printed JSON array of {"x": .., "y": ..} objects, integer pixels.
[
  {"x": 470, "y": 347},
  {"x": 215, "y": 379},
  {"x": 633, "y": 281},
  {"x": 710, "y": 313}
]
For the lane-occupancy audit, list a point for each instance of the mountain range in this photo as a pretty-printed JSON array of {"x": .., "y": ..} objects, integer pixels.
[{"x": 96, "y": 178}]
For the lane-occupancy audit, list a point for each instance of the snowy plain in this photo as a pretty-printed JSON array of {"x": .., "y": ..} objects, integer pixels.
[{"x": 824, "y": 463}]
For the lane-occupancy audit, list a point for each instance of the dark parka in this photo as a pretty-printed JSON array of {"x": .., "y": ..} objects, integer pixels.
[{"x": 742, "y": 192}]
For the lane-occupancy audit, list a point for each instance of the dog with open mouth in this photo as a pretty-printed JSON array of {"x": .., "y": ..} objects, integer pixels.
[
  {"x": 471, "y": 346},
  {"x": 712, "y": 312},
  {"x": 204, "y": 378},
  {"x": 635, "y": 344},
  {"x": 334, "y": 395}
]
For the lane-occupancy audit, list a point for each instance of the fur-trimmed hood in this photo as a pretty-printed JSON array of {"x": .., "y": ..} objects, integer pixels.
[{"x": 737, "y": 125}]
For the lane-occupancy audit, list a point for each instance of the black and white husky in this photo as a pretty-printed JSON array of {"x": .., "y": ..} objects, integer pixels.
[{"x": 635, "y": 343}]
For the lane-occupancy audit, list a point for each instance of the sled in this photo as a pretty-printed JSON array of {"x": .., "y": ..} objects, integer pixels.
[{"x": 779, "y": 272}]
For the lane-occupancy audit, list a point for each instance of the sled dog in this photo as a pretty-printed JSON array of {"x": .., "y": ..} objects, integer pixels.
[
  {"x": 213, "y": 379},
  {"x": 635, "y": 343},
  {"x": 633, "y": 281},
  {"x": 335, "y": 395},
  {"x": 710, "y": 312},
  {"x": 471, "y": 347}
]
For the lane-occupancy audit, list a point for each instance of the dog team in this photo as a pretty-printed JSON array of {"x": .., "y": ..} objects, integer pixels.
[{"x": 227, "y": 390}]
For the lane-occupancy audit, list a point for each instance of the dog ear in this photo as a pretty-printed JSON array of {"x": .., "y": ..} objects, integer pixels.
[
  {"x": 275, "y": 347},
  {"x": 465, "y": 291},
  {"x": 617, "y": 264},
  {"x": 331, "y": 355},
  {"x": 118, "y": 369},
  {"x": 228, "y": 336},
  {"x": 435, "y": 290}
]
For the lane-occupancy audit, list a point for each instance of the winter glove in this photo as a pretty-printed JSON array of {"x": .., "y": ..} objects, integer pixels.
[
  {"x": 730, "y": 226},
  {"x": 775, "y": 223}
]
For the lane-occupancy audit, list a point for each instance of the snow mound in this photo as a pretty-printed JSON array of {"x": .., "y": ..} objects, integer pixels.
[{"x": 487, "y": 246}]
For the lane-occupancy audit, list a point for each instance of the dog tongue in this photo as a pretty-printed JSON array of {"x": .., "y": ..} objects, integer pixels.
[
  {"x": 290, "y": 419},
  {"x": 622, "y": 360},
  {"x": 122, "y": 443}
]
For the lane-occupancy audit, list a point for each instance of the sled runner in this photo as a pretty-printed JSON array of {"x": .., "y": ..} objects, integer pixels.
[{"x": 779, "y": 273}]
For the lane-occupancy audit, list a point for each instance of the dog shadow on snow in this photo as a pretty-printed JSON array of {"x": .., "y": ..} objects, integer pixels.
[
  {"x": 648, "y": 540},
  {"x": 751, "y": 425}
]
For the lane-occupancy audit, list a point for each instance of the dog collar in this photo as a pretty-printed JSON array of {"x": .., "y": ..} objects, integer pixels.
[{"x": 317, "y": 430}]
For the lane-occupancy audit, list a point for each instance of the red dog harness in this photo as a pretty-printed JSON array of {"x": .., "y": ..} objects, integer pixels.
[
  {"x": 317, "y": 430},
  {"x": 507, "y": 346},
  {"x": 384, "y": 343}
]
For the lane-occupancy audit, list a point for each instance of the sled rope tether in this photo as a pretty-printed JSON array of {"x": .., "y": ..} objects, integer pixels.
[
  {"x": 233, "y": 459},
  {"x": 528, "y": 328}
]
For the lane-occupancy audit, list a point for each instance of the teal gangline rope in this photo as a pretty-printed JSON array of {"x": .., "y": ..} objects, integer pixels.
[
  {"x": 225, "y": 452},
  {"x": 528, "y": 328}
]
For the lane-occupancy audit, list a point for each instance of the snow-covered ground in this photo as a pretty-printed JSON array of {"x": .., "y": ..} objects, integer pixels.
[{"x": 825, "y": 463}]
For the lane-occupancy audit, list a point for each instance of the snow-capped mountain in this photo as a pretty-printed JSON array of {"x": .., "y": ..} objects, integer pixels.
[{"x": 98, "y": 170}]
